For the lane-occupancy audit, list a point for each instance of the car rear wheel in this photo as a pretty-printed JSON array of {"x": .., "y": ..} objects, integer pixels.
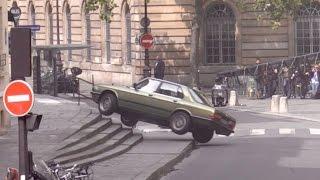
[
  {"x": 202, "y": 135},
  {"x": 107, "y": 104},
  {"x": 128, "y": 119},
  {"x": 180, "y": 122}
]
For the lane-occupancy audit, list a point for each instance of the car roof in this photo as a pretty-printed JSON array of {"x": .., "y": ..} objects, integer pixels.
[{"x": 170, "y": 82}]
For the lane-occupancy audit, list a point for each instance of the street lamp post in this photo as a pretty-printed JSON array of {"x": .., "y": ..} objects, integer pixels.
[{"x": 146, "y": 69}]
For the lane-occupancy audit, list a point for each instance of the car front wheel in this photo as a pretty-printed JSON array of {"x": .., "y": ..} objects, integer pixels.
[
  {"x": 107, "y": 104},
  {"x": 202, "y": 135},
  {"x": 180, "y": 122},
  {"x": 128, "y": 119}
]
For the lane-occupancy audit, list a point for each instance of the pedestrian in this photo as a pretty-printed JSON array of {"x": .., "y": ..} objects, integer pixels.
[
  {"x": 258, "y": 77},
  {"x": 315, "y": 79},
  {"x": 286, "y": 82},
  {"x": 159, "y": 68}
]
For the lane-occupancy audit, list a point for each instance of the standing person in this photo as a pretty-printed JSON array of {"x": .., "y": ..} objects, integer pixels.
[
  {"x": 258, "y": 76},
  {"x": 286, "y": 82},
  {"x": 159, "y": 68},
  {"x": 315, "y": 79}
]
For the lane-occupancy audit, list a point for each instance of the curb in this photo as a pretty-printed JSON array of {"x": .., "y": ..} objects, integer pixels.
[
  {"x": 158, "y": 172},
  {"x": 276, "y": 114}
]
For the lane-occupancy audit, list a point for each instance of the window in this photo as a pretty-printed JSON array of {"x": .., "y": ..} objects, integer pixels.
[
  {"x": 220, "y": 34},
  {"x": 170, "y": 90},
  {"x": 49, "y": 24},
  {"x": 148, "y": 85},
  {"x": 307, "y": 29},
  {"x": 128, "y": 26},
  {"x": 198, "y": 97},
  {"x": 126, "y": 33},
  {"x": 87, "y": 31},
  {"x": 108, "y": 46},
  {"x": 32, "y": 20},
  {"x": 67, "y": 30}
]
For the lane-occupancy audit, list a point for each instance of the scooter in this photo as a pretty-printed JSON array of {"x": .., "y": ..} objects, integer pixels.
[{"x": 219, "y": 95}]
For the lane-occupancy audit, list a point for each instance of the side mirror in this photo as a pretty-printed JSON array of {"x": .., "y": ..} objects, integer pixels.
[{"x": 135, "y": 86}]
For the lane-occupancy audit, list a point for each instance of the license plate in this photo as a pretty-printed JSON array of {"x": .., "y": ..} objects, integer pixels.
[{"x": 220, "y": 93}]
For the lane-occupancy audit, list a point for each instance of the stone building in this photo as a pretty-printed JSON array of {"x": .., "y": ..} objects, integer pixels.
[
  {"x": 229, "y": 36},
  {"x": 4, "y": 73}
]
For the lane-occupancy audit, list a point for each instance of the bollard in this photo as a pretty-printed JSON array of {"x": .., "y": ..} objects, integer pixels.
[
  {"x": 233, "y": 101},
  {"x": 275, "y": 103},
  {"x": 283, "y": 107}
]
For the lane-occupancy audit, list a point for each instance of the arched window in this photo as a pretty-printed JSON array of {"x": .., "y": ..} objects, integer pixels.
[
  {"x": 49, "y": 23},
  {"x": 87, "y": 30},
  {"x": 67, "y": 28},
  {"x": 126, "y": 33},
  {"x": 220, "y": 34},
  {"x": 107, "y": 42},
  {"x": 307, "y": 29},
  {"x": 32, "y": 20}
]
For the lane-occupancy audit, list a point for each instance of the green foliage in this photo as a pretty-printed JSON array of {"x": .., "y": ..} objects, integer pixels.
[
  {"x": 275, "y": 9},
  {"x": 104, "y": 6}
]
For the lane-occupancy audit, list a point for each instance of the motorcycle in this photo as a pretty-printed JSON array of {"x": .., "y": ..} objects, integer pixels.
[{"x": 219, "y": 95}]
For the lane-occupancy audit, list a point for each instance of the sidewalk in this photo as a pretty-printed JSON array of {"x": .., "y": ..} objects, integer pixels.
[
  {"x": 306, "y": 109},
  {"x": 60, "y": 118}
]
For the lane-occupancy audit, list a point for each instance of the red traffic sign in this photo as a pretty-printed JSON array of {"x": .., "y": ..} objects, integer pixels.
[
  {"x": 146, "y": 41},
  {"x": 18, "y": 98}
]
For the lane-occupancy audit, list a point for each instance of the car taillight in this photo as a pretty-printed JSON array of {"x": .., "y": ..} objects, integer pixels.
[
  {"x": 215, "y": 117},
  {"x": 232, "y": 124}
]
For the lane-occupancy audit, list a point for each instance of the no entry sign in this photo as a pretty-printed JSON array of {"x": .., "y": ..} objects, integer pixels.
[
  {"x": 18, "y": 98},
  {"x": 146, "y": 41}
]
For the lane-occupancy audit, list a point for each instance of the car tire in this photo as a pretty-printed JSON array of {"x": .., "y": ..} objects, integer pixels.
[
  {"x": 202, "y": 135},
  {"x": 107, "y": 104},
  {"x": 180, "y": 122},
  {"x": 128, "y": 119}
]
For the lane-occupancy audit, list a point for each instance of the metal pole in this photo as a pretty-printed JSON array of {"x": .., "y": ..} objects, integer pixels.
[
  {"x": 146, "y": 69},
  {"x": 55, "y": 84},
  {"x": 58, "y": 23},
  {"x": 23, "y": 148}
]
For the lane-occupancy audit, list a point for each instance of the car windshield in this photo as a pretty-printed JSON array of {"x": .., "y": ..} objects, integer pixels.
[
  {"x": 199, "y": 97},
  {"x": 148, "y": 85}
]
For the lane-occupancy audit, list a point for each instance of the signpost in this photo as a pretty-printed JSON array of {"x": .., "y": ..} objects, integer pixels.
[
  {"x": 15, "y": 12},
  {"x": 18, "y": 98},
  {"x": 146, "y": 41},
  {"x": 32, "y": 27}
]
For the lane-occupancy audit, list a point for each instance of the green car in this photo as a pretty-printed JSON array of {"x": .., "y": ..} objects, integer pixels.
[{"x": 166, "y": 104}]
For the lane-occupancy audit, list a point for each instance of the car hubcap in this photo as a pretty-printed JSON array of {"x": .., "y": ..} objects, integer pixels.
[
  {"x": 105, "y": 103},
  {"x": 179, "y": 122}
]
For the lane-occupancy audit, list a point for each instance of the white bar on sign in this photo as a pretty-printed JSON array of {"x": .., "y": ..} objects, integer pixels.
[
  {"x": 314, "y": 131},
  {"x": 257, "y": 131},
  {"x": 22, "y": 177},
  {"x": 18, "y": 98},
  {"x": 286, "y": 131}
]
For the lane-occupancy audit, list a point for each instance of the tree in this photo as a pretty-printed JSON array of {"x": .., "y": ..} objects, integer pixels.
[
  {"x": 105, "y": 6},
  {"x": 275, "y": 9}
]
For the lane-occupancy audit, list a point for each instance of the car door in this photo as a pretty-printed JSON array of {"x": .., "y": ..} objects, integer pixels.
[
  {"x": 138, "y": 99},
  {"x": 166, "y": 99}
]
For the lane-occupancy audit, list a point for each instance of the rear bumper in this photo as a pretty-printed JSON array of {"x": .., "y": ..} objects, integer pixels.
[
  {"x": 95, "y": 96},
  {"x": 219, "y": 128}
]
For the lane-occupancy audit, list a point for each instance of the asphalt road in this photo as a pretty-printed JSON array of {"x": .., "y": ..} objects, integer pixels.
[{"x": 262, "y": 148}]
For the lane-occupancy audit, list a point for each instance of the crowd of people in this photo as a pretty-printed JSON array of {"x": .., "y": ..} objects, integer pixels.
[{"x": 291, "y": 81}]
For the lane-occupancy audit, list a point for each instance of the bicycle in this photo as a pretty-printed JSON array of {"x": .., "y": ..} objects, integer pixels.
[{"x": 76, "y": 172}]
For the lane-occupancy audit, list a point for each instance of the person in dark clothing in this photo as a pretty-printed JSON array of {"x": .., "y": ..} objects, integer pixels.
[
  {"x": 258, "y": 77},
  {"x": 159, "y": 68}
]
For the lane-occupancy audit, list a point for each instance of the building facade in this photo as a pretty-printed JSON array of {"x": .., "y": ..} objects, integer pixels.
[
  {"x": 229, "y": 37},
  {"x": 4, "y": 72}
]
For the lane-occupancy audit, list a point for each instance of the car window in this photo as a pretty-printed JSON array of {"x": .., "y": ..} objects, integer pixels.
[
  {"x": 197, "y": 97},
  {"x": 170, "y": 90},
  {"x": 148, "y": 85}
]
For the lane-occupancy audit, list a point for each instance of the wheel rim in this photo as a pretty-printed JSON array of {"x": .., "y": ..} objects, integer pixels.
[
  {"x": 105, "y": 103},
  {"x": 179, "y": 122}
]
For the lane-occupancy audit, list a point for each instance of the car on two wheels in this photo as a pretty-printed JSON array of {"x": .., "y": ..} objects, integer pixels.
[{"x": 167, "y": 104}]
